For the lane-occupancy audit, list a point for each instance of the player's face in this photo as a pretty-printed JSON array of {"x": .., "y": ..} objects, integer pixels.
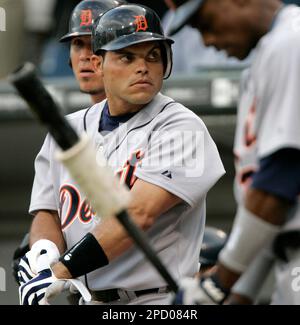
[
  {"x": 132, "y": 76},
  {"x": 225, "y": 25},
  {"x": 90, "y": 80}
]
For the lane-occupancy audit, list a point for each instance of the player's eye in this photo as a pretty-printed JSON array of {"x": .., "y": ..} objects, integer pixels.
[
  {"x": 77, "y": 44},
  {"x": 126, "y": 57},
  {"x": 154, "y": 55}
]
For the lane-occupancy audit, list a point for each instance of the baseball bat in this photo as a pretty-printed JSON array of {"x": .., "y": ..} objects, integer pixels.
[{"x": 78, "y": 155}]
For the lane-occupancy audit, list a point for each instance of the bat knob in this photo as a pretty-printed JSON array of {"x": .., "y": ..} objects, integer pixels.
[{"x": 22, "y": 74}]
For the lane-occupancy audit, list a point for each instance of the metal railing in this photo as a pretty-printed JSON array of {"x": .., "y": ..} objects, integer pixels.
[{"x": 206, "y": 93}]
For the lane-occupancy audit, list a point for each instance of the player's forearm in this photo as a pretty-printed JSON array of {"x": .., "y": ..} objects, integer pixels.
[
  {"x": 267, "y": 207},
  {"x": 46, "y": 225},
  {"x": 112, "y": 237},
  {"x": 226, "y": 276},
  {"x": 148, "y": 203}
]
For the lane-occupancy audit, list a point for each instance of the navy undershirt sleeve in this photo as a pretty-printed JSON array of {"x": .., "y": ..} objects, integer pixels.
[{"x": 279, "y": 174}]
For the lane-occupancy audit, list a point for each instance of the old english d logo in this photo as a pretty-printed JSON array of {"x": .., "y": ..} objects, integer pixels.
[
  {"x": 86, "y": 17},
  {"x": 141, "y": 23}
]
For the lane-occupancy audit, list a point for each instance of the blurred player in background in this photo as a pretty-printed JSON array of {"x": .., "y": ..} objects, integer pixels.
[
  {"x": 267, "y": 141},
  {"x": 79, "y": 37},
  {"x": 191, "y": 56}
]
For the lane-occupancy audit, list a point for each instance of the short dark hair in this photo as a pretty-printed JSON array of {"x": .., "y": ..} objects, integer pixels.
[{"x": 101, "y": 53}]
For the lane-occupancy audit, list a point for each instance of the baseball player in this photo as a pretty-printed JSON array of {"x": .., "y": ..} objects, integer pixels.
[
  {"x": 157, "y": 147},
  {"x": 89, "y": 80},
  {"x": 267, "y": 141},
  {"x": 79, "y": 37}
]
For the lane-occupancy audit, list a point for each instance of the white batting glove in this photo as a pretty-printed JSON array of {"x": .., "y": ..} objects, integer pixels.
[
  {"x": 29, "y": 263},
  {"x": 47, "y": 248},
  {"x": 76, "y": 286},
  {"x": 60, "y": 285},
  {"x": 45, "y": 286},
  {"x": 211, "y": 292},
  {"x": 193, "y": 291},
  {"x": 33, "y": 292},
  {"x": 25, "y": 273}
]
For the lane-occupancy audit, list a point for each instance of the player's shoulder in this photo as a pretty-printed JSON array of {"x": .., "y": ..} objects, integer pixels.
[
  {"x": 285, "y": 36},
  {"x": 78, "y": 118},
  {"x": 177, "y": 113},
  {"x": 78, "y": 115}
]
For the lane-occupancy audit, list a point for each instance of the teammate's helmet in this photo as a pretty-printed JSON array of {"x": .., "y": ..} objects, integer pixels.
[
  {"x": 182, "y": 15},
  {"x": 84, "y": 15},
  {"x": 129, "y": 25},
  {"x": 213, "y": 241}
]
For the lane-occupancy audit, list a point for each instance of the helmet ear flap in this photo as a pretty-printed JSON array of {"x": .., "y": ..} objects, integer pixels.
[{"x": 167, "y": 56}]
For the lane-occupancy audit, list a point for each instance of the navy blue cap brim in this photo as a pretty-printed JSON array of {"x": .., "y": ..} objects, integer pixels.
[
  {"x": 68, "y": 37},
  {"x": 135, "y": 38}
]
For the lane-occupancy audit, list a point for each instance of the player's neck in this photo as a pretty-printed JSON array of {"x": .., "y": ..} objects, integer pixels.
[
  {"x": 271, "y": 11},
  {"x": 119, "y": 108},
  {"x": 97, "y": 98}
]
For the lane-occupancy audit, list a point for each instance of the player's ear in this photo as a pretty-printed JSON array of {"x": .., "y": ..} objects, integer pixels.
[{"x": 97, "y": 62}]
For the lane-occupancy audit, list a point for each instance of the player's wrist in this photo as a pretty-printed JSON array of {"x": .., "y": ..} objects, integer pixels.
[
  {"x": 84, "y": 257},
  {"x": 60, "y": 271},
  {"x": 237, "y": 299},
  {"x": 248, "y": 228}
]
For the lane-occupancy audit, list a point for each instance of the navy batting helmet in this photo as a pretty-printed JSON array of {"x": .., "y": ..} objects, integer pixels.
[
  {"x": 182, "y": 15},
  {"x": 213, "y": 241},
  {"x": 84, "y": 15},
  {"x": 129, "y": 25}
]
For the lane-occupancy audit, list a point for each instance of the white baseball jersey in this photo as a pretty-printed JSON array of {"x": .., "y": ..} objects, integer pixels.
[
  {"x": 164, "y": 144},
  {"x": 268, "y": 112}
]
